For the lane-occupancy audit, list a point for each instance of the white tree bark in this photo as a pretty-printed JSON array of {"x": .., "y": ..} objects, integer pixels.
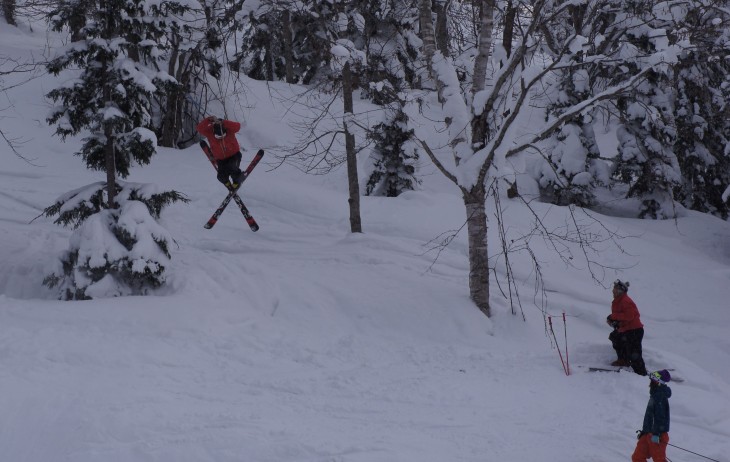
[
  {"x": 476, "y": 226},
  {"x": 428, "y": 35},
  {"x": 485, "y": 45}
]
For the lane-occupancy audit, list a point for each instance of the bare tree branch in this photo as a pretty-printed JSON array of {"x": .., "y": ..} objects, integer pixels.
[{"x": 13, "y": 67}]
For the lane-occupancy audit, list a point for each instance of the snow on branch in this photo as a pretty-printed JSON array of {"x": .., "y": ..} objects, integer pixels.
[
  {"x": 344, "y": 51},
  {"x": 607, "y": 94}
]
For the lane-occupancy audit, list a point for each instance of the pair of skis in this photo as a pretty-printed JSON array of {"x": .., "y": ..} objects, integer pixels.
[
  {"x": 625, "y": 368},
  {"x": 233, "y": 191}
]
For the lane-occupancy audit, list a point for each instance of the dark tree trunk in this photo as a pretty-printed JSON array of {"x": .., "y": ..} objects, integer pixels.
[
  {"x": 442, "y": 30},
  {"x": 109, "y": 157},
  {"x": 288, "y": 45},
  {"x": 181, "y": 66},
  {"x": 172, "y": 118},
  {"x": 111, "y": 176},
  {"x": 171, "y": 105},
  {"x": 353, "y": 182},
  {"x": 269, "y": 61},
  {"x": 9, "y": 11},
  {"x": 77, "y": 22},
  {"x": 510, "y": 14}
]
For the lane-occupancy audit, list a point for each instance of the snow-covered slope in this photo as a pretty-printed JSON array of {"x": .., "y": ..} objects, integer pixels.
[{"x": 303, "y": 342}]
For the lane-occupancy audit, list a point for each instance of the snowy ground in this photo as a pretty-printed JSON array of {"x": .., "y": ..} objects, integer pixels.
[{"x": 303, "y": 342}]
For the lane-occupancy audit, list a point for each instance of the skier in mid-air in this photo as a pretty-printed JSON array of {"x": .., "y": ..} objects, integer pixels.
[{"x": 221, "y": 137}]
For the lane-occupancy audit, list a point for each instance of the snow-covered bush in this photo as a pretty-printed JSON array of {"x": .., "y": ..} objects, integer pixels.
[
  {"x": 112, "y": 252},
  {"x": 571, "y": 169}
]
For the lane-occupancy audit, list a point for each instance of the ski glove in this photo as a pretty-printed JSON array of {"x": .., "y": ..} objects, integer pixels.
[
  {"x": 655, "y": 439},
  {"x": 639, "y": 434}
]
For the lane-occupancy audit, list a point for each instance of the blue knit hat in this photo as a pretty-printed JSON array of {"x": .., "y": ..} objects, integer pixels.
[{"x": 661, "y": 376}]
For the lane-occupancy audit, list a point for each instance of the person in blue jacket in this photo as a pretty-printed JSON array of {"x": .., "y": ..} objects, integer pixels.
[{"x": 654, "y": 435}]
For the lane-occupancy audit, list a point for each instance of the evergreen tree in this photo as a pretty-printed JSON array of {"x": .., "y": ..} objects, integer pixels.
[
  {"x": 673, "y": 143},
  {"x": 392, "y": 68},
  {"x": 646, "y": 161},
  {"x": 645, "y": 167},
  {"x": 112, "y": 252},
  {"x": 702, "y": 114},
  {"x": 287, "y": 40},
  {"x": 667, "y": 147},
  {"x": 394, "y": 158},
  {"x": 572, "y": 168},
  {"x": 117, "y": 55}
]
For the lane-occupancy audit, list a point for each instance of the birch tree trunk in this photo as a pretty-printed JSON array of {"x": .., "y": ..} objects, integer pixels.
[
  {"x": 458, "y": 117},
  {"x": 427, "y": 34},
  {"x": 479, "y": 121},
  {"x": 486, "y": 28},
  {"x": 476, "y": 225},
  {"x": 353, "y": 182}
]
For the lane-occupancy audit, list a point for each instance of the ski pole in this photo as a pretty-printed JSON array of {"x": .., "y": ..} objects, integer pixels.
[
  {"x": 687, "y": 450},
  {"x": 565, "y": 368},
  {"x": 565, "y": 330}
]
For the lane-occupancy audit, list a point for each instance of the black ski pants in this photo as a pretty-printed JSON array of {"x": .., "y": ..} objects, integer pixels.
[
  {"x": 229, "y": 168},
  {"x": 628, "y": 348}
]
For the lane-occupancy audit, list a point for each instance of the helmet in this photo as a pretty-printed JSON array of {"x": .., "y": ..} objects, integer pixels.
[{"x": 661, "y": 376}]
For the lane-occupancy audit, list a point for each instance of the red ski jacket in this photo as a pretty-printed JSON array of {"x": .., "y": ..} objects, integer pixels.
[
  {"x": 223, "y": 148},
  {"x": 624, "y": 310}
]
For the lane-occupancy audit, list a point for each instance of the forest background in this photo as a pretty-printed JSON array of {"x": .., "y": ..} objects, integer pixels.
[{"x": 513, "y": 156}]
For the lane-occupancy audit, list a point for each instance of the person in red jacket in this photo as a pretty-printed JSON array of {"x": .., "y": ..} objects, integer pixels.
[
  {"x": 628, "y": 331},
  {"x": 221, "y": 137}
]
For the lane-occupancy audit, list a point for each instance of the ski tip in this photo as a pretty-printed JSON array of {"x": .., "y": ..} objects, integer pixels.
[
  {"x": 255, "y": 228},
  {"x": 260, "y": 152}
]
